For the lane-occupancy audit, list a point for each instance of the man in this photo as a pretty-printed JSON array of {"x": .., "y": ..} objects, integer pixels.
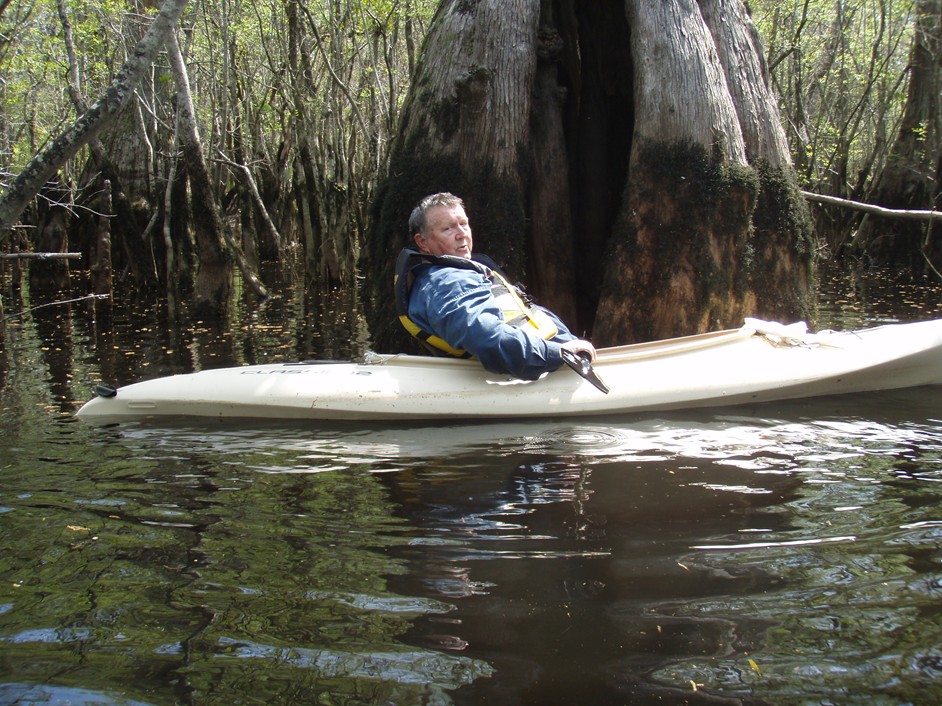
[{"x": 462, "y": 306}]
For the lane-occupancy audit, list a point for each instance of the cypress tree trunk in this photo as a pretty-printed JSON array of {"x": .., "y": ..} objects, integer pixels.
[
  {"x": 712, "y": 227},
  {"x": 463, "y": 129},
  {"x": 631, "y": 149}
]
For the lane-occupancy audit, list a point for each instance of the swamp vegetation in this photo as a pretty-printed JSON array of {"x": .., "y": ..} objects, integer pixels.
[
  {"x": 787, "y": 555},
  {"x": 282, "y": 119}
]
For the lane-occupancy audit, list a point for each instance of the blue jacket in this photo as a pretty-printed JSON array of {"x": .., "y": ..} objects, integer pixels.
[{"x": 457, "y": 305}]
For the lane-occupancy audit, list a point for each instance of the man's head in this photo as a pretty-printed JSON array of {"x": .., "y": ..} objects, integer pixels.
[{"x": 439, "y": 226}]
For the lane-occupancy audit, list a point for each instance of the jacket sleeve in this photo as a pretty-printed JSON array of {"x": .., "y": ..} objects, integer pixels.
[{"x": 457, "y": 306}]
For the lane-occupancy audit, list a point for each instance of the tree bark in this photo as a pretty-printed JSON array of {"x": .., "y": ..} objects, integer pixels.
[
  {"x": 683, "y": 231},
  {"x": 212, "y": 290},
  {"x": 463, "y": 129},
  {"x": 104, "y": 111},
  {"x": 903, "y": 214},
  {"x": 742, "y": 60},
  {"x": 553, "y": 256},
  {"x": 126, "y": 221},
  {"x": 632, "y": 149},
  {"x": 100, "y": 267},
  {"x": 713, "y": 227}
]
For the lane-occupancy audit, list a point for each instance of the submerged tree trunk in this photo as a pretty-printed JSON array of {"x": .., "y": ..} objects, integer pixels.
[
  {"x": 712, "y": 227},
  {"x": 106, "y": 177},
  {"x": 908, "y": 180},
  {"x": 631, "y": 149}
]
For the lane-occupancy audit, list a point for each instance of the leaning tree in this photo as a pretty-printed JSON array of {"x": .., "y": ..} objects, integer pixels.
[{"x": 624, "y": 158}]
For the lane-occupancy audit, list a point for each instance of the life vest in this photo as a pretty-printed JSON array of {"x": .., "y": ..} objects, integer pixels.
[{"x": 516, "y": 311}]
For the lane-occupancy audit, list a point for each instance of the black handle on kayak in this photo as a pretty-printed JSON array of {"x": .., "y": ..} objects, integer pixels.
[{"x": 582, "y": 364}]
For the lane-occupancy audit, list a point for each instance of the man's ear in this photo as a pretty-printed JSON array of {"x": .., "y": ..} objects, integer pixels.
[{"x": 420, "y": 242}]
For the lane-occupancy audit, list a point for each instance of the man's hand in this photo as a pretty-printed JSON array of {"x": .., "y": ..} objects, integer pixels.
[{"x": 580, "y": 347}]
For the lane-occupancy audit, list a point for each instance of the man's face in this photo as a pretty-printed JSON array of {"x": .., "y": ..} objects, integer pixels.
[{"x": 447, "y": 232}]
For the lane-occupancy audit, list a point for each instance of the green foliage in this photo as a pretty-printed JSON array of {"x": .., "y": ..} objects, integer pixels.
[
  {"x": 34, "y": 99},
  {"x": 278, "y": 86},
  {"x": 840, "y": 71}
]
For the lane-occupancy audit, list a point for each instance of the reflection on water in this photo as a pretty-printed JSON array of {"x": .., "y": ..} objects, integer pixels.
[
  {"x": 768, "y": 555},
  {"x": 788, "y": 554},
  {"x": 872, "y": 297}
]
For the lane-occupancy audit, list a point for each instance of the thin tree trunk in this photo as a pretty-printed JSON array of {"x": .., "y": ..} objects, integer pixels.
[
  {"x": 170, "y": 260},
  {"x": 252, "y": 187},
  {"x": 101, "y": 269},
  {"x": 890, "y": 213},
  {"x": 101, "y": 265},
  {"x": 213, "y": 287}
]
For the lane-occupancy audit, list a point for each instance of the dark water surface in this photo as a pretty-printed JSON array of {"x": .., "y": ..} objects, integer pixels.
[{"x": 784, "y": 554}]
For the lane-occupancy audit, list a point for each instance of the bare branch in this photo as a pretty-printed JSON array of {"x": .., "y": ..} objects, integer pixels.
[{"x": 912, "y": 215}]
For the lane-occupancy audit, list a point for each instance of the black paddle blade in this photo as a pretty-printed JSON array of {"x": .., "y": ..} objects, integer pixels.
[{"x": 582, "y": 365}]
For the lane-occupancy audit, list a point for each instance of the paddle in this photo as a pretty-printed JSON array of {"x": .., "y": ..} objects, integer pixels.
[{"x": 583, "y": 365}]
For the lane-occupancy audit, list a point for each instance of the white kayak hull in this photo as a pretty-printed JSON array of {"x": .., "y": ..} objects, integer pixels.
[{"x": 761, "y": 362}]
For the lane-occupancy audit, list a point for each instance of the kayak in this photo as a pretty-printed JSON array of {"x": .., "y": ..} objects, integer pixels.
[{"x": 757, "y": 363}]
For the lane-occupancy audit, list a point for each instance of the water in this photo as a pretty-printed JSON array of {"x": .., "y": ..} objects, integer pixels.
[{"x": 787, "y": 554}]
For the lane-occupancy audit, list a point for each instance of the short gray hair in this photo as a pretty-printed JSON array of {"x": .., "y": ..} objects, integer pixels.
[{"x": 417, "y": 219}]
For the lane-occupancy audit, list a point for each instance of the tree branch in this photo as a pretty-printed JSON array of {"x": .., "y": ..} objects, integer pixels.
[
  {"x": 44, "y": 165},
  {"x": 911, "y": 215}
]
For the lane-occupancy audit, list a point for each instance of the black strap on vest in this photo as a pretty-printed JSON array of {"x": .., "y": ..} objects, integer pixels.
[{"x": 409, "y": 258}]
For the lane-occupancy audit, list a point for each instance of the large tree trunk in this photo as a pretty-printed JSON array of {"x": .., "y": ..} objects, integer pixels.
[
  {"x": 908, "y": 179},
  {"x": 712, "y": 226},
  {"x": 463, "y": 129},
  {"x": 632, "y": 149}
]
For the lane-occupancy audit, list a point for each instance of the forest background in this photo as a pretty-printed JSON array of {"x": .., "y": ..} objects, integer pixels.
[{"x": 292, "y": 108}]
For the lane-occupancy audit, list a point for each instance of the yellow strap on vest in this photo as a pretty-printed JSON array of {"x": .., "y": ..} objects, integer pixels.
[
  {"x": 518, "y": 313},
  {"x": 434, "y": 341}
]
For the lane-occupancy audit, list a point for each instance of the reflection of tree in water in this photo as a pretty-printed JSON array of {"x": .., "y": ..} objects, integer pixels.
[
  {"x": 190, "y": 577},
  {"x": 573, "y": 559},
  {"x": 554, "y": 566},
  {"x": 853, "y": 613}
]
